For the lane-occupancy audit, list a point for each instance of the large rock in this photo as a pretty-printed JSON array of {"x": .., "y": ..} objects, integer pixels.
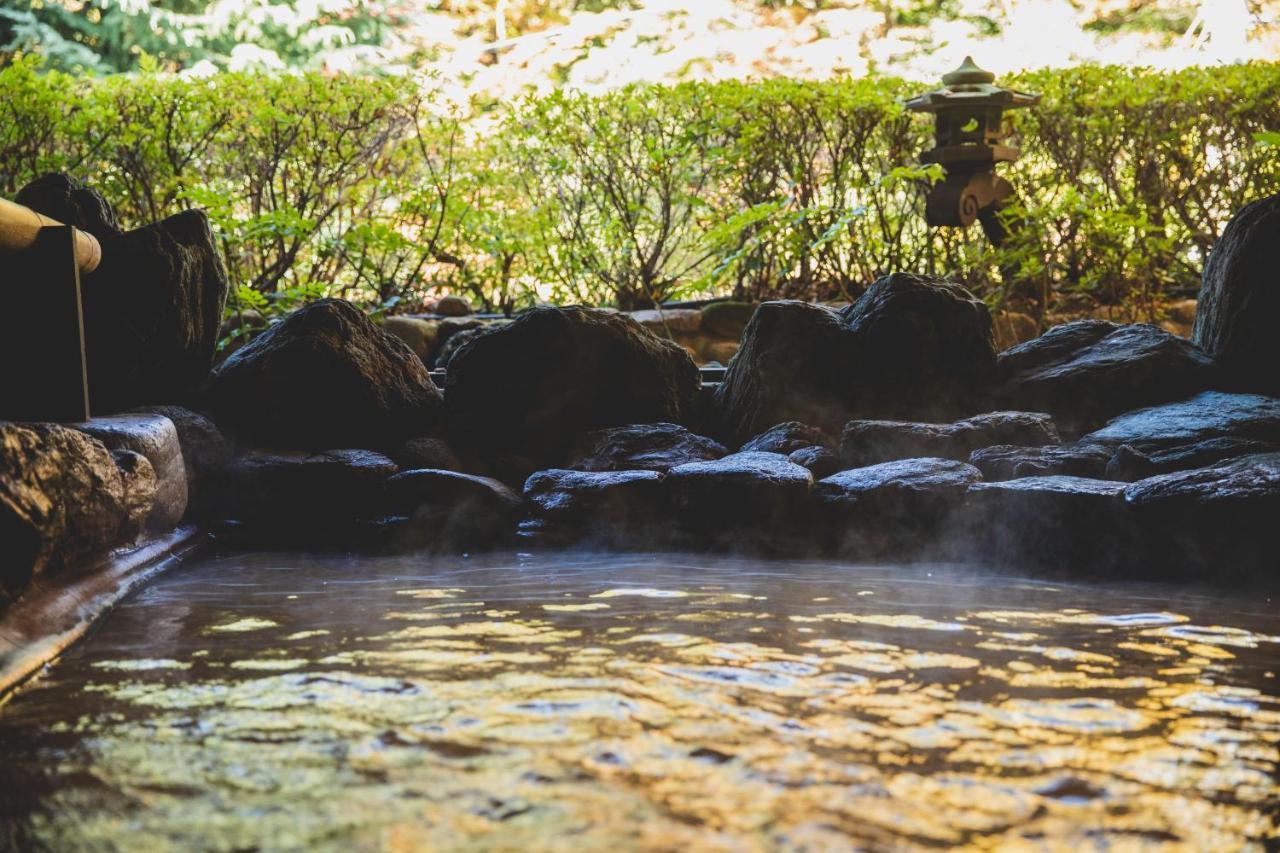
[
  {"x": 1207, "y": 416},
  {"x": 425, "y": 452},
  {"x": 670, "y": 322},
  {"x": 615, "y": 509},
  {"x": 726, "y": 319},
  {"x": 155, "y": 437},
  {"x": 533, "y": 386},
  {"x": 1071, "y": 524},
  {"x": 1215, "y": 523},
  {"x": 868, "y": 442},
  {"x": 325, "y": 376},
  {"x": 308, "y": 496},
  {"x": 152, "y": 308},
  {"x": 1239, "y": 306},
  {"x": 1010, "y": 462},
  {"x": 61, "y": 498},
  {"x": 643, "y": 447},
  {"x": 788, "y": 437},
  {"x": 745, "y": 501},
  {"x": 1130, "y": 464},
  {"x": 448, "y": 511},
  {"x": 138, "y": 479},
  {"x": 1090, "y": 370},
  {"x": 893, "y": 507},
  {"x": 205, "y": 451},
  {"x": 910, "y": 347}
]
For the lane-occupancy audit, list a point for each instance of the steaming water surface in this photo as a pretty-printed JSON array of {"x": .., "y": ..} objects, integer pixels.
[{"x": 522, "y": 703}]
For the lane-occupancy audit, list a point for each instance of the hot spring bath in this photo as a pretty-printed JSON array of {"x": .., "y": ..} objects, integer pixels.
[{"x": 658, "y": 702}]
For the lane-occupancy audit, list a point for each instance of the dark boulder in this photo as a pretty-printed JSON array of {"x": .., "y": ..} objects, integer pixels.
[
  {"x": 866, "y": 442},
  {"x": 1130, "y": 464},
  {"x": 1213, "y": 523},
  {"x": 449, "y": 511},
  {"x": 1239, "y": 305},
  {"x": 313, "y": 498},
  {"x": 455, "y": 342},
  {"x": 745, "y": 501},
  {"x": 797, "y": 362},
  {"x": 821, "y": 461},
  {"x": 1010, "y": 462},
  {"x": 1088, "y": 371},
  {"x": 138, "y": 480},
  {"x": 533, "y": 386},
  {"x": 894, "y": 507},
  {"x": 926, "y": 348},
  {"x": 643, "y": 447},
  {"x": 205, "y": 451},
  {"x": 1075, "y": 525},
  {"x": 617, "y": 509},
  {"x": 788, "y": 437},
  {"x": 1211, "y": 415},
  {"x": 155, "y": 437},
  {"x": 325, "y": 376},
  {"x": 61, "y": 498},
  {"x": 152, "y": 308},
  {"x": 910, "y": 347}
]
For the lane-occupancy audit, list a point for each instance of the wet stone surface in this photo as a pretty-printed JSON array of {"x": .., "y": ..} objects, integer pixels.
[{"x": 284, "y": 701}]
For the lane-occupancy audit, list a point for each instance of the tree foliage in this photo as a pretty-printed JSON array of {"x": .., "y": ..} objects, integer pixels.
[{"x": 371, "y": 189}]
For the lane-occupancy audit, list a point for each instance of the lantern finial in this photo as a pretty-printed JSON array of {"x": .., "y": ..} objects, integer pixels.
[{"x": 968, "y": 73}]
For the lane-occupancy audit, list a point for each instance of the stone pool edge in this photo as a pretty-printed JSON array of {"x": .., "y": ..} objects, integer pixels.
[{"x": 55, "y": 612}]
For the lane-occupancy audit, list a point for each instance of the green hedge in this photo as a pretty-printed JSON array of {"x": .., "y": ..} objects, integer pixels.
[{"x": 371, "y": 189}]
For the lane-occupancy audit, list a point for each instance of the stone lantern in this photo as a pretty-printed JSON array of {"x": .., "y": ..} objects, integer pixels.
[{"x": 969, "y": 141}]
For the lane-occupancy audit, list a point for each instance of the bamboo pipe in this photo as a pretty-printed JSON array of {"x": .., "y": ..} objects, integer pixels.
[{"x": 19, "y": 226}]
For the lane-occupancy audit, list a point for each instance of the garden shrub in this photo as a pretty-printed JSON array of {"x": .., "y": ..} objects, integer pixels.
[{"x": 372, "y": 189}]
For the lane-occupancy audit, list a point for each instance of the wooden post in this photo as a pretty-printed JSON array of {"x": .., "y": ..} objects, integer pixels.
[{"x": 43, "y": 372}]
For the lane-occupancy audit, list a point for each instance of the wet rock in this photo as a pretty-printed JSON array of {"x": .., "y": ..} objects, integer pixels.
[
  {"x": 788, "y": 437},
  {"x": 1073, "y": 524},
  {"x": 619, "y": 509},
  {"x": 1216, "y": 522},
  {"x": 152, "y": 308},
  {"x": 1088, "y": 371},
  {"x": 155, "y": 437},
  {"x": 61, "y": 498},
  {"x": 670, "y": 322},
  {"x": 727, "y": 319},
  {"x": 868, "y": 442},
  {"x": 205, "y": 452},
  {"x": 1211, "y": 415},
  {"x": 1239, "y": 305},
  {"x": 533, "y": 386},
  {"x": 643, "y": 447},
  {"x": 1129, "y": 463},
  {"x": 306, "y": 496},
  {"x": 425, "y": 452},
  {"x": 926, "y": 348},
  {"x": 138, "y": 479},
  {"x": 745, "y": 501},
  {"x": 418, "y": 335},
  {"x": 797, "y": 362},
  {"x": 1009, "y": 462},
  {"x": 910, "y": 347},
  {"x": 325, "y": 376},
  {"x": 451, "y": 511},
  {"x": 894, "y": 507},
  {"x": 821, "y": 461},
  {"x": 453, "y": 306}
]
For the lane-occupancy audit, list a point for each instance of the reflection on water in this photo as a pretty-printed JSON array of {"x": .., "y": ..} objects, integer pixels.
[{"x": 525, "y": 703}]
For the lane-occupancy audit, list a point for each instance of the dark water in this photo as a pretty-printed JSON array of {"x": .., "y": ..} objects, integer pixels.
[{"x": 663, "y": 703}]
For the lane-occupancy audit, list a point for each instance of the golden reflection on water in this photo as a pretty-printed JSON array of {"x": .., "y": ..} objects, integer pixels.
[{"x": 280, "y": 701}]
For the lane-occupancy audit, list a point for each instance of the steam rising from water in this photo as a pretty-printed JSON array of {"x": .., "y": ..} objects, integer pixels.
[{"x": 537, "y": 703}]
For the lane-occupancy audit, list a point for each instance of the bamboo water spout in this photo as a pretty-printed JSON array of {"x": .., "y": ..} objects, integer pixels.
[{"x": 19, "y": 226}]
